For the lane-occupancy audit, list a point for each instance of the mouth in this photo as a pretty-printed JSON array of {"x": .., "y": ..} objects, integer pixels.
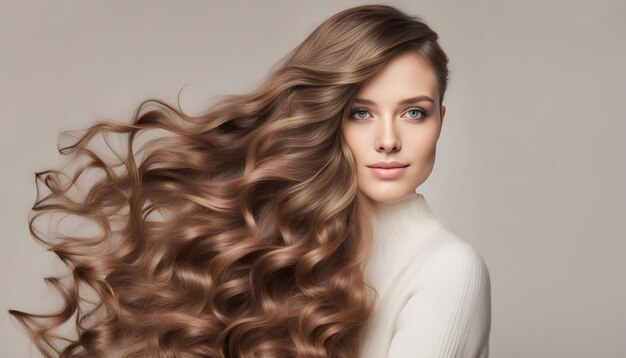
[
  {"x": 390, "y": 172},
  {"x": 388, "y": 165}
]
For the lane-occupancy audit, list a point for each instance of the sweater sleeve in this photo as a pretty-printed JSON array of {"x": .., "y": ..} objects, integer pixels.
[{"x": 448, "y": 313}]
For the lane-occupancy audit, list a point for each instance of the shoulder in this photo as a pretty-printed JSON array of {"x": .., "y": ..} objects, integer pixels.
[
  {"x": 455, "y": 270},
  {"x": 448, "y": 306},
  {"x": 460, "y": 258}
]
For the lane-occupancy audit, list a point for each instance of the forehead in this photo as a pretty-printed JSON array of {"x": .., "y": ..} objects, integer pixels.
[{"x": 405, "y": 75}]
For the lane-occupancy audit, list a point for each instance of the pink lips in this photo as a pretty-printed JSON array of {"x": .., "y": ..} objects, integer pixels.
[{"x": 388, "y": 170}]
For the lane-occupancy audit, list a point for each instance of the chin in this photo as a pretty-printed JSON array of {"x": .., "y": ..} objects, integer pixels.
[{"x": 388, "y": 194}]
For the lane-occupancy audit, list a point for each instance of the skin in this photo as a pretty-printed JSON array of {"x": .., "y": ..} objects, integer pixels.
[{"x": 388, "y": 131}]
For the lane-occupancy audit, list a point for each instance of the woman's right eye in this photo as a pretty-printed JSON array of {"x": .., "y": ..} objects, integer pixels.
[{"x": 354, "y": 113}]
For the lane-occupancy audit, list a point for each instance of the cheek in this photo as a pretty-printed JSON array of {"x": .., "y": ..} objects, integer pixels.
[
  {"x": 423, "y": 147},
  {"x": 354, "y": 143},
  {"x": 423, "y": 151}
]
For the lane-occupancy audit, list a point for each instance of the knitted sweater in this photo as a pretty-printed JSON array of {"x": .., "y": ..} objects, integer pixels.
[{"x": 434, "y": 290}]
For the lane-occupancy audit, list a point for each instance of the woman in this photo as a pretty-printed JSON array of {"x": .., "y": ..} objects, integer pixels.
[
  {"x": 262, "y": 228},
  {"x": 434, "y": 288}
]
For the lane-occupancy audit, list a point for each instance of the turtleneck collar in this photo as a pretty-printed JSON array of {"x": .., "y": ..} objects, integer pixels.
[
  {"x": 402, "y": 224},
  {"x": 399, "y": 231}
]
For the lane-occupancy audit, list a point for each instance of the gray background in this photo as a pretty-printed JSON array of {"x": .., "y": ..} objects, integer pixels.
[{"x": 531, "y": 161}]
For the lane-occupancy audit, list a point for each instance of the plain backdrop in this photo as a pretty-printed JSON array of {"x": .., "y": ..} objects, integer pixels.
[{"x": 531, "y": 164}]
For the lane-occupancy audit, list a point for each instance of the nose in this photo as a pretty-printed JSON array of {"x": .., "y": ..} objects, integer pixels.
[{"x": 388, "y": 139}]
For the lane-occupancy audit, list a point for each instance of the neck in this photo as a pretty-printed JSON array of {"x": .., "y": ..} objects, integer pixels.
[{"x": 403, "y": 222}]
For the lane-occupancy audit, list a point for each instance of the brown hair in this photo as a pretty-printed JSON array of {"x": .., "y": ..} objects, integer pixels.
[{"x": 237, "y": 233}]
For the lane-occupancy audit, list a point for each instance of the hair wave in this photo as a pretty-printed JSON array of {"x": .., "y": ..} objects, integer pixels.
[{"x": 237, "y": 233}]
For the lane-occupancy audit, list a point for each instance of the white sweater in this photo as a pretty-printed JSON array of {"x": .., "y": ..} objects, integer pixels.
[{"x": 434, "y": 288}]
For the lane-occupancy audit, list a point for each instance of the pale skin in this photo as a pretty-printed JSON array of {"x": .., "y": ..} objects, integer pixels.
[{"x": 383, "y": 129}]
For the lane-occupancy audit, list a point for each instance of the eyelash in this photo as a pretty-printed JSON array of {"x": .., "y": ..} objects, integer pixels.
[{"x": 422, "y": 111}]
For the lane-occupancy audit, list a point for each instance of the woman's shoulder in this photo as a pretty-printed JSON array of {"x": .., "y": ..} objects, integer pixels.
[
  {"x": 454, "y": 262},
  {"x": 448, "y": 304}
]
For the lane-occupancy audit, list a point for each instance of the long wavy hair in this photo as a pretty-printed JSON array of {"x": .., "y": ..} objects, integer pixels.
[{"x": 236, "y": 233}]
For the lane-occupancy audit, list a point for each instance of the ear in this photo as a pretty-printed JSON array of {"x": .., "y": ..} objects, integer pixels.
[{"x": 443, "y": 113}]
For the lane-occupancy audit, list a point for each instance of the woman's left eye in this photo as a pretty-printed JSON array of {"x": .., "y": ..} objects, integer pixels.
[{"x": 417, "y": 111}]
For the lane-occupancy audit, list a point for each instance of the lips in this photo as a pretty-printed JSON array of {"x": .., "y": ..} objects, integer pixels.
[
  {"x": 387, "y": 165},
  {"x": 388, "y": 170}
]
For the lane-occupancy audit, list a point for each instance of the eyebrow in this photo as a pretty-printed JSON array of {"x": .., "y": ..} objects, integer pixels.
[{"x": 404, "y": 101}]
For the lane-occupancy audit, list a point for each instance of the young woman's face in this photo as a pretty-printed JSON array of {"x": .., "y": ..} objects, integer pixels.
[{"x": 382, "y": 128}]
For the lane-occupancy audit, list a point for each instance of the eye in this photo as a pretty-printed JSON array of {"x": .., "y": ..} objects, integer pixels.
[
  {"x": 358, "y": 110},
  {"x": 417, "y": 111}
]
